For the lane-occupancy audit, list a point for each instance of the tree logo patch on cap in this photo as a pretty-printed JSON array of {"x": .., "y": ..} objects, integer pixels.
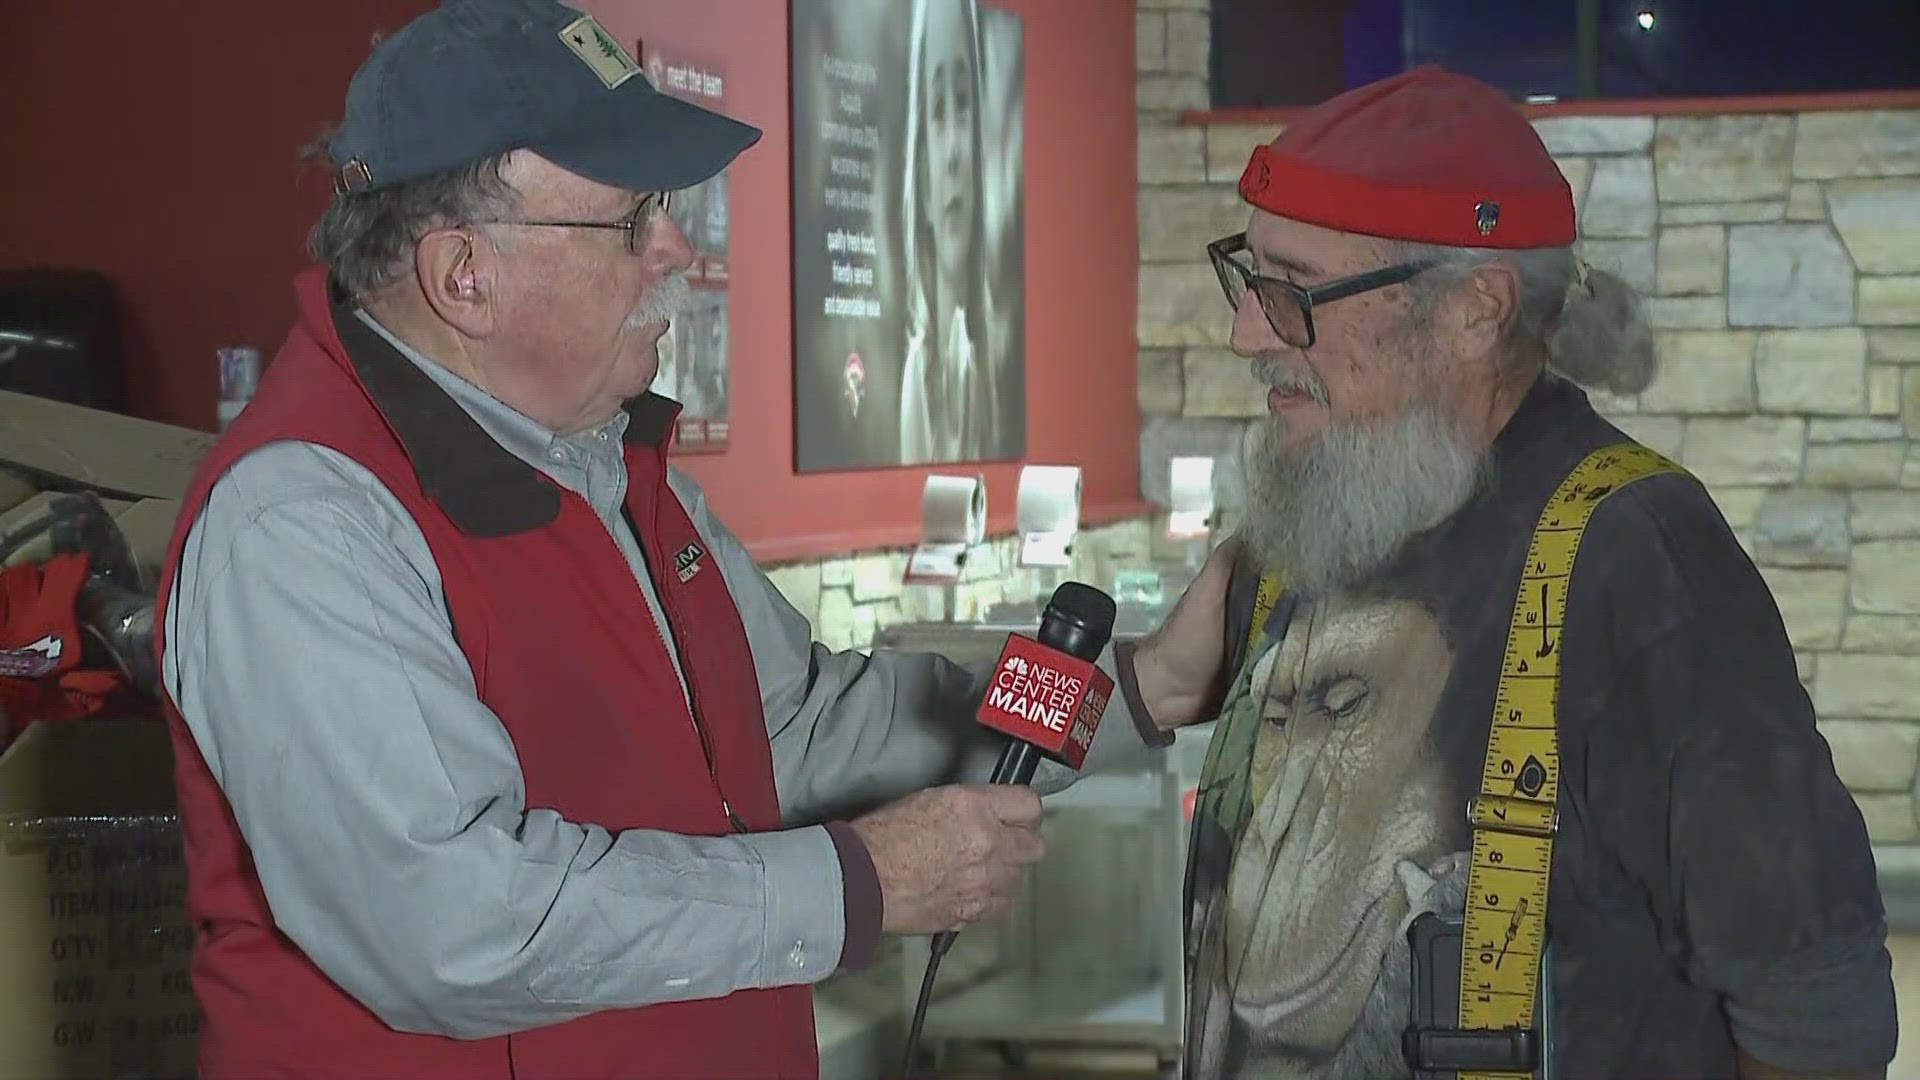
[{"x": 598, "y": 50}]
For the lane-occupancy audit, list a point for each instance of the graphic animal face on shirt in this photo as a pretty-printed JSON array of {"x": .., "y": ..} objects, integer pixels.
[{"x": 1349, "y": 821}]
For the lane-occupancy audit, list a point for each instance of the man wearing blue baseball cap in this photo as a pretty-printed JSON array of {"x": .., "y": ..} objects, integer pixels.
[{"x": 497, "y": 755}]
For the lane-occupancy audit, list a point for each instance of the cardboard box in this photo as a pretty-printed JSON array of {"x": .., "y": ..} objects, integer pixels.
[
  {"x": 95, "y": 945},
  {"x": 139, "y": 468},
  {"x": 14, "y": 490},
  {"x": 94, "y": 939},
  {"x": 68, "y": 447},
  {"x": 27, "y": 521}
]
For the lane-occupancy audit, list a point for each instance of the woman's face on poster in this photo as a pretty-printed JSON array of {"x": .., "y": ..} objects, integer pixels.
[{"x": 951, "y": 113}]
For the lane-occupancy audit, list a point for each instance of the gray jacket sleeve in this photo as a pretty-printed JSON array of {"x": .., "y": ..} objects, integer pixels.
[
  {"x": 310, "y": 652},
  {"x": 850, "y": 729}
]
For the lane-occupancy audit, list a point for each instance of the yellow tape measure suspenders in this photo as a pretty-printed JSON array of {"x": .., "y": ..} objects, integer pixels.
[
  {"x": 1264, "y": 598},
  {"x": 1515, "y": 814}
]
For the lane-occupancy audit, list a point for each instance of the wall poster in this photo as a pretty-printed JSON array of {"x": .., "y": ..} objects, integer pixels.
[
  {"x": 694, "y": 362},
  {"x": 909, "y": 240}
]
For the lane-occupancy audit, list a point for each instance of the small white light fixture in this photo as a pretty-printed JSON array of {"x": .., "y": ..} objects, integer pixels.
[{"x": 1645, "y": 19}]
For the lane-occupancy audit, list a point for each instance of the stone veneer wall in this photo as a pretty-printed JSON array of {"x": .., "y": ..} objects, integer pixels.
[{"x": 1780, "y": 255}]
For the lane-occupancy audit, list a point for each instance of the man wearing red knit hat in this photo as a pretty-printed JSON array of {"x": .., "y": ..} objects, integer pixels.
[{"x": 1468, "y": 810}]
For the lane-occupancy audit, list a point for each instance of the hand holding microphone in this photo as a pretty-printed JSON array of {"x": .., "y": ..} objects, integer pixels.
[
  {"x": 1046, "y": 695},
  {"x": 955, "y": 855},
  {"x": 951, "y": 856}
]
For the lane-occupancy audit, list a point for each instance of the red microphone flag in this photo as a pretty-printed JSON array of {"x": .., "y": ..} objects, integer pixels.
[{"x": 1045, "y": 697}]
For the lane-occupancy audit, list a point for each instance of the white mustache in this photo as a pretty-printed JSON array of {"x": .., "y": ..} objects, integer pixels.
[
  {"x": 662, "y": 302},
  {"x": 1278, "y": 376}
]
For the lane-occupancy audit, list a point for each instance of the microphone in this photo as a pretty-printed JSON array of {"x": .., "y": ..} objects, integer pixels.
[{"x": 1046, "y": 696}]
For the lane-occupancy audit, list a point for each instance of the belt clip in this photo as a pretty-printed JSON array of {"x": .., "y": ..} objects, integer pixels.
[{"x": 1502, "y": 1050}]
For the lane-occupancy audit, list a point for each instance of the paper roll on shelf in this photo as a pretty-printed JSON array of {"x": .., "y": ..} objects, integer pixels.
[
  {"x": 1047, "y": 514},
  {"x": 953, "y": 518},
  {"x": 953, "y": 510}
]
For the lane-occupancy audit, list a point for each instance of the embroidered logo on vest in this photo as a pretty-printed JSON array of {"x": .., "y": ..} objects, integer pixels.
[{"x": 688, "y": 561}]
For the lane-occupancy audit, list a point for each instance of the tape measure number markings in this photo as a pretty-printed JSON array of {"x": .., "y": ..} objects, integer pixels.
[{"x": 1515, "y": 814}]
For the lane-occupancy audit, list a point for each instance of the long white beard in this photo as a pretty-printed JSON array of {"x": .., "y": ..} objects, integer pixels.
[{"x": 1328, "y": 513}]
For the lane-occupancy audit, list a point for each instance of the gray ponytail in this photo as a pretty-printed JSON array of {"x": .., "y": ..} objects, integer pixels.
[
  {"x": 1601, "y": 339},
  {"x": 1588, "y": 321}
]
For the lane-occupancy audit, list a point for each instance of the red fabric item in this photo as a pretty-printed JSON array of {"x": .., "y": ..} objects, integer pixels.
[
  {"x": 40, "y": 647},
  {"x": 589, "y": 696},
  {"x": 1428, "y": 155}
]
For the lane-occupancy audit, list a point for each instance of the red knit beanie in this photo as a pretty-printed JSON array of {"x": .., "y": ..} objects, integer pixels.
[{"x": 1429, "y": 156}]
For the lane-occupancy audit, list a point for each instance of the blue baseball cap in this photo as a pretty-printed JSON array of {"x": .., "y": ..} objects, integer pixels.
[{"x": 475, "y": 78}]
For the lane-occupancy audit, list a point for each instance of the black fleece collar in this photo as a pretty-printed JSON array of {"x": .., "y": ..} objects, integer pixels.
[{"x": 484, "y": 488}]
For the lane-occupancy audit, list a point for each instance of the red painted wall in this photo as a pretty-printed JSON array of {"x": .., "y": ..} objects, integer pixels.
[
  {"x": 159, "y": 143},
  {"x": 164, "y": 153}
]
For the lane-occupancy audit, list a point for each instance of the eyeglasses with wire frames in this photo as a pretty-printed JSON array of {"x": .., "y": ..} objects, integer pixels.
[
  {"x": 636, "y": 223},
  {"x": 1289, "y": 307}
]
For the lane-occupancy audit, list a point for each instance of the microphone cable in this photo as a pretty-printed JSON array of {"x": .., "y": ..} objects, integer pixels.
[
  {"x": 1017, "y": 764},
  {"x": 941, "y": 943}
]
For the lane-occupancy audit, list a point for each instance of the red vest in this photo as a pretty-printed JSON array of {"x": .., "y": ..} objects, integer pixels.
[{"x": 564, "y": 651}]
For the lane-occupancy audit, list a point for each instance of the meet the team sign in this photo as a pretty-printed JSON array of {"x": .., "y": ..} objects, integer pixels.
[{"x": 1036, "y": 693}]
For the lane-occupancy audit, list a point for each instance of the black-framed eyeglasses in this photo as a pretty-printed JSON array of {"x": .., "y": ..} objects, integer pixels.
[
  {"x": 636, "y": 223},
  {"x": 1289, "y": 307}
]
